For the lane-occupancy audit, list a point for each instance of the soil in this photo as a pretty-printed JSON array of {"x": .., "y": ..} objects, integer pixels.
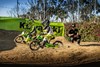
[{"x": 70, "y": 54}]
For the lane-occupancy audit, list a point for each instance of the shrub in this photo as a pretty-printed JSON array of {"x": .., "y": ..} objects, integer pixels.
[{"x": 88, "y": 31}]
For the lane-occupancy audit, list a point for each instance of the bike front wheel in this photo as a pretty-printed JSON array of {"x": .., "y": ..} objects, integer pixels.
[
  {"x": 58, "y": 44},
  {"x": 19, "y": 39},
  {"x": 34, "y": 45}
]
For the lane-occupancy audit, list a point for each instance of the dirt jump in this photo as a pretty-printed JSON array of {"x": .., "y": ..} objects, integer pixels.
[{"x": 70, "y": 54}]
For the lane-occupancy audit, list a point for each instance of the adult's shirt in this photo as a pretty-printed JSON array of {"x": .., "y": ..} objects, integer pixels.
[{"x": 73, "y": 31}]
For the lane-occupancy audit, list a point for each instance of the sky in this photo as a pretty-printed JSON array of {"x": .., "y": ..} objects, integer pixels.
[{"x": 6, "y": 5}]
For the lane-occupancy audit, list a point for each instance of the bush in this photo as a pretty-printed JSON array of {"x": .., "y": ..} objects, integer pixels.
[{"x": 88, "y": 31}]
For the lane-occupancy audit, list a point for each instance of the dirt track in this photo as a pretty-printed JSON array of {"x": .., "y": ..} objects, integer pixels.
[{"x": 69, "y": 54}]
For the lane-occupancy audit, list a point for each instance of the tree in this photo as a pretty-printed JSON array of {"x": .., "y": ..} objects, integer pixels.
[
  {"x": 13, "y": 12},
  {"x": 76, "y": 10}
]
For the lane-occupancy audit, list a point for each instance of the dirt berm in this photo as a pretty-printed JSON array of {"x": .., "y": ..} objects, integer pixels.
[{"x": 69, "y": 55}]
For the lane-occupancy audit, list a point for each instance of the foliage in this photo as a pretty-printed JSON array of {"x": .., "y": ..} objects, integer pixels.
[
  {"x": 41, "y": 9},
  {"x": 88, "y": 31}
]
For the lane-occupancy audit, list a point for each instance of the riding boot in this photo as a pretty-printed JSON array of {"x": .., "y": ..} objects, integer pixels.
[
  {"x": 43, "y": 44},
  {"x": 72, "y": 40},
  {"x": 78, "y": 41}
]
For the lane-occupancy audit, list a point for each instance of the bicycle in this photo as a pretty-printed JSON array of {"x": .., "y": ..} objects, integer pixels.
[
  {"x": 24, "y": 38},
  {"x": 36, "y": 43}
]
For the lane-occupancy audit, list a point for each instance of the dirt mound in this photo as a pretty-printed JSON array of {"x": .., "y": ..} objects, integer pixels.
[{"x": 70, "y": 54}]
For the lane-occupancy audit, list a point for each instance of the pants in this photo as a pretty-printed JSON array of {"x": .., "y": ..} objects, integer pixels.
[{"x": 78, "y": 39}]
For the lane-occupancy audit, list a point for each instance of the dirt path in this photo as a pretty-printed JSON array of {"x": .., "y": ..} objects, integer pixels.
[{"x": 69, "y": 54}]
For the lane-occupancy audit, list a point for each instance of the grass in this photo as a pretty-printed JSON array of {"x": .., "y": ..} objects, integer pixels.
[{"x": 10, "y": 23}]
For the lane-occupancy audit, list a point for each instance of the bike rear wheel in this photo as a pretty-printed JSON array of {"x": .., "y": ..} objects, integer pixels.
[
  {"x": 58, "y": 44},
  {"x": 34, "y": 45}
]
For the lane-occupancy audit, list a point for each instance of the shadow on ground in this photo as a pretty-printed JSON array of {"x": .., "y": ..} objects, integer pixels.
[
  {"x": 91, "y": 45},
  {"x": 94, "y": 64}
]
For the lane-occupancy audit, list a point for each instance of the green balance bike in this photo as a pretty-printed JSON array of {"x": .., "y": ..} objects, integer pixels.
[
  {"x": 37, "y": 42},
  {"x": 24, "y": 38}
]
